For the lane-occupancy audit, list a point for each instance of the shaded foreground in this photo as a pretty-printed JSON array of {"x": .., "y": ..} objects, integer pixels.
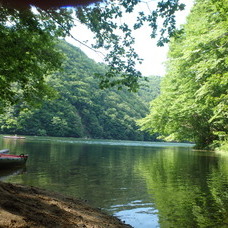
[{"x": 22, "y": 206}]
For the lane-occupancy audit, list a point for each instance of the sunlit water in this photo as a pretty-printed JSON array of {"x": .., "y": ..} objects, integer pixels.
[{"x": 144, "y": 184}]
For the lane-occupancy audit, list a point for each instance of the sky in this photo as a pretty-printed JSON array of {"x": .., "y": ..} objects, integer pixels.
[{"x": 153, "y": 57}]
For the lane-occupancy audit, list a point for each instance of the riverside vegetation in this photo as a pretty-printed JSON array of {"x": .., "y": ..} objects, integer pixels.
[{"x": 193, "y": 104}]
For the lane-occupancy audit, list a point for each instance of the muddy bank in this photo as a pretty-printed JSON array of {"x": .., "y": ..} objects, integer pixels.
[{"x": 22, "y": 206}]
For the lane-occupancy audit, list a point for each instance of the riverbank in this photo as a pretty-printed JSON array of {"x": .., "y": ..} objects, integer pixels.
[{"x": 23, "y": 206}]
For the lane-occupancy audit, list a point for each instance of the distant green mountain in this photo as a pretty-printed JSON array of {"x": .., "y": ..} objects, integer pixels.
[{"x": 81, "y": 109}]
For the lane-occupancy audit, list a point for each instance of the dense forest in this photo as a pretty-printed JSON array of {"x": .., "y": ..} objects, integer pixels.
[
  {"x": 193, "y": 104},
  {"x": 80, "y": 108}
]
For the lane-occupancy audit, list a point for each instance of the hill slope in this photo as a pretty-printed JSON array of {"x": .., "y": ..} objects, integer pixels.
[{"x": 82, "y": 109}]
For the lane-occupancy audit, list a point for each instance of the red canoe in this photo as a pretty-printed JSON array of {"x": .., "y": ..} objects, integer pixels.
[{"x": 8, "y": 160}]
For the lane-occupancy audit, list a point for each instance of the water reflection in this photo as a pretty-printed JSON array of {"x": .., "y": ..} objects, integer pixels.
[
  {"x": 144, "y": 184},
  {"x": 189, "y": 188},
  {"x": 139, "y": 217},
  {"x": 10, "y": 172}
]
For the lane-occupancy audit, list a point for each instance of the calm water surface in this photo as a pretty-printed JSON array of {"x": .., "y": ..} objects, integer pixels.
[{"x": 144, "y": 184}]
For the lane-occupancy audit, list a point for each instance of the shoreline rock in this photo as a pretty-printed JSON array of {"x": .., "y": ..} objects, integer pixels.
[{"x": 24, "y": 206}]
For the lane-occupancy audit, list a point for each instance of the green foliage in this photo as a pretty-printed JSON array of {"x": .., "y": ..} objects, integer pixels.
[
  {"x": 28, "y": 53},
  {"x": 117, "y": 38},
  {"x": 82, "y": 109},
  {"x": 194, "y": 102}
]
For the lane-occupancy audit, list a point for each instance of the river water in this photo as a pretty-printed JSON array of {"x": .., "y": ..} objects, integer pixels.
[{"x": 145, "y": 184}]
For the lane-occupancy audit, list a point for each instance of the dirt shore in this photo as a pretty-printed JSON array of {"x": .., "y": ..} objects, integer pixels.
[{"x": 22, "y": 206}]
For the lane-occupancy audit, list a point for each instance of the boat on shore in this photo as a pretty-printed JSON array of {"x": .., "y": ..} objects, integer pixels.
[
  {"x": 4, "y": 151},
  {"x": 13, "y": 137},
  {"x": 9, "y": 160}
]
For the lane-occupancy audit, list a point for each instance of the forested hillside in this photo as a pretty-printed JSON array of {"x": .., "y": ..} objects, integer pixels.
[
  {"x": 193, "y": 104},
  {"x": 81, "y": 109}
]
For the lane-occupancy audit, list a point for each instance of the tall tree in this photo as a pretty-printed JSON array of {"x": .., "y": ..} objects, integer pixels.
[
  {"x": 194, "y": 101},
  {"x": 28, "y": 53}
]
